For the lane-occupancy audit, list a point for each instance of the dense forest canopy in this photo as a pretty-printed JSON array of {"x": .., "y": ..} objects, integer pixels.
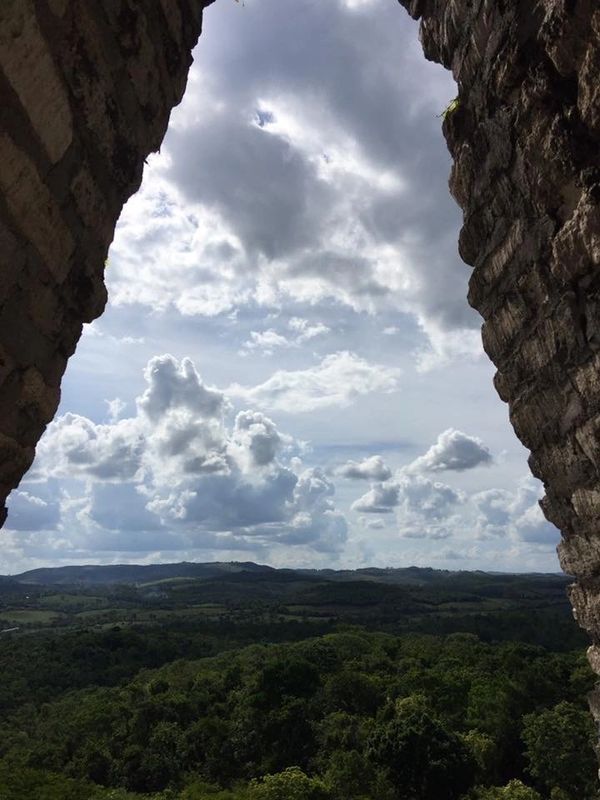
[{"x": 159, "y": 689}]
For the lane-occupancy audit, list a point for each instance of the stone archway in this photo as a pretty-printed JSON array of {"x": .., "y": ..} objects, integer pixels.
[{"x": 87, "y": 89}]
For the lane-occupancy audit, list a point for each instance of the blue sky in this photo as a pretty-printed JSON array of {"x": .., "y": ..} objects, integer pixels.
[{"x": 288, "y": 370}]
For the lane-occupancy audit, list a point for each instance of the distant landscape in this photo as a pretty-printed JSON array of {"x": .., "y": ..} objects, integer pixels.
[
  {"x": 237, "y": 681},
  {"x": 495, "y": 606}
]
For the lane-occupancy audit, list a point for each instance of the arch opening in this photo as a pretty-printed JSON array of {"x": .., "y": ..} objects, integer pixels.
[
  {"x": 523, "y": 135},
  {"x": 295, "y": 239}
]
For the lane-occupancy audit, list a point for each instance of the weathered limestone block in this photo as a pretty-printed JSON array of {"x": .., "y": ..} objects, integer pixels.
[
  {"x": 86, "y": 90},
  {"x": 27, "y": 62},
  {"x": 33, "y": 209}
]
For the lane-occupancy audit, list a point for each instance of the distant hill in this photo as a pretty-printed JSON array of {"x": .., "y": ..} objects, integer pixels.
[
  {"x": 247, "y": 571},
  {"x": 133, "y": 573},
  {"x": 262, "y": 603}
]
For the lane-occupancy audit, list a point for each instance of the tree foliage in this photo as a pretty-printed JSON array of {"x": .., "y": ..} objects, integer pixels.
[
  {"x": 351, "y": 715},
  {"x": 559, "y": 751}
]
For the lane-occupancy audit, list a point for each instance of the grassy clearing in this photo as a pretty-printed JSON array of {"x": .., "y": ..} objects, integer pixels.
[
  {"x": 168, "y": 581},
  {"x": 29, "y": 616},
  {"x": 67, "y": 601},
  {"x": 102, "y": 612}
]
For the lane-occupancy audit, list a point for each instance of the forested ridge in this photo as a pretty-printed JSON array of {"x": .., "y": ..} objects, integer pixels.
[{"x": 187, "y": 706}]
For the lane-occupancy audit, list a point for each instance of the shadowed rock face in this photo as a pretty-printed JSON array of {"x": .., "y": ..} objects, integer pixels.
[{"x": 86, "y": 91}]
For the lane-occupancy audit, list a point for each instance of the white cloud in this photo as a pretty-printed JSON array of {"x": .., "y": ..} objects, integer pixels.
[
  {"x": 376, "y": 524},
  {"x": 445, "y": 346},
  {"x": 533, "y": 527},
  {"x": 358, "y": 5},
  {"x": 515, "y": 514},
  {"x": 255, "y": 440},
  {"x": 423, "y": 508},
  {"x": 273, "y": 187},
  {"x": 270, "y": 340},
  {"x": 178, "y": 386},
  {"x": 494, "y": 506},
  {"x": 381, "y": 498},
  {"x": 371, "y": 469},
  {"x": 116, "y": 407},
  {"x": 336, "y": 381},
  {"x": 422, "y": 502},
  {"x": 29, "y": 512},
  {"x": 267, "y": 341},
  {"x": 453, "y": 451},
  {"x": 305, "y": 331},
  {"x": 177, "y": 476},
  {"x": 316, "y": 520},
  {"x": 74, "y": 446}
]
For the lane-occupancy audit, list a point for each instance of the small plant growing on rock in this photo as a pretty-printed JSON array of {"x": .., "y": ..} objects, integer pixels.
[{"x": 450, "y": 108}]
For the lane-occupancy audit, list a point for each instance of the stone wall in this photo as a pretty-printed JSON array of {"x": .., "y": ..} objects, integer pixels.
[
  {"x": 86, "y": 89},
  {"x": 525, "y": 138}
]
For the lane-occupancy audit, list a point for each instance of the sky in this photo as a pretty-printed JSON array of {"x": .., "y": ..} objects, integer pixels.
[{"x": 288, "y": 370}]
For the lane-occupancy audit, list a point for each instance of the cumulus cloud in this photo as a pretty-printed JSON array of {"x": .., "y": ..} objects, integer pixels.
[
  {"x": 255, "y": 438},
  {"x": 376, "y": 524},
  {"x": 432, "y": 500},
  {"x": 355, "y": 5},
  {"x": 427, "y": 508},
  {"x": 77, "y": 447},
  {"x": 515, "y": 514},
  {"x": 305, "y": 331},
  {"x": 453, "y": 451},
  {"x": 269, "y": 340},
  {"x": 176, "y": 471},
  {"x": 371, "y": 469},
  {"x": 30, "y": 512},
  {"x": 336, "y": 381},
  {"x": 423, "y": 508},
  {"x": 116, "y": 407},
  {"x": 270, "y": 190},
  {"x": 316, "y": 520},
  {"x": 494, "y": 507},
  {"x": 532, "y": 526},
  {"x": 173, "y": 385},
  {"x": 381, "y": 498},
  {"x": 410, "y": 489}
]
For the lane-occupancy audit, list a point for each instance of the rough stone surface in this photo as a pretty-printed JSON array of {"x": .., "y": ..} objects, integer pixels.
[
  {"x": 525, "y": 138},
  {"x": 86, "y": 89}
]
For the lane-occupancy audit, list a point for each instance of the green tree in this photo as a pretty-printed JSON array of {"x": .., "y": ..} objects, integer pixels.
[
  {"x": 352, "y": 692},
  {"x": 559, "y": 748},
  {"x": 349, "y": 774},
  {"x": 484, "y": 752},
  {"x": 424, "y": 760},
  {"x": 515, "y": 790},
  {"x": 291, "y": 784},
  {"x": 151, "y": 767},
  {"x": 199, "y": 790}
]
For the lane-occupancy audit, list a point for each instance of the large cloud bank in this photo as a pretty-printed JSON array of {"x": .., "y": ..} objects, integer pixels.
[
  {"x": 282, "y": 181},
  {"x": 178, "y": 471},
  {"x": 430, "y": 509}
]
